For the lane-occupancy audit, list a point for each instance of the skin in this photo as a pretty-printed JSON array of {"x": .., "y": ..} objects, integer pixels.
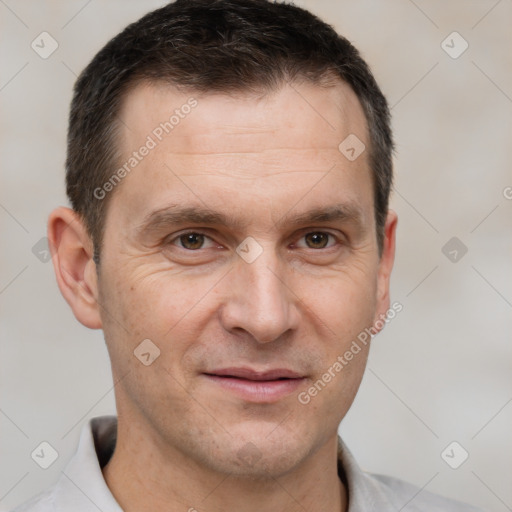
[{"x": 298, "y": 306}]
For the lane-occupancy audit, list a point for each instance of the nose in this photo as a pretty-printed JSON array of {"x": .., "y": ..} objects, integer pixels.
[{"x": 259, "y": 301}]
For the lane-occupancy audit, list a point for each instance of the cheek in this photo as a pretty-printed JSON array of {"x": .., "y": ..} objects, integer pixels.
[
  {"x": 342, "y": 309},
  {"x": 141, "y": 310},
  {"x": 161, "y": 306},
  {"x": 344, "y": 303}
]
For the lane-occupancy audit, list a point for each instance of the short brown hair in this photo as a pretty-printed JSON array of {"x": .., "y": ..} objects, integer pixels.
[{"x": 218, "y": 46}]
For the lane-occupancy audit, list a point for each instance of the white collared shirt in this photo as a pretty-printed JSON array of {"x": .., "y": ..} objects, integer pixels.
[{"x": 82, "y": 488}]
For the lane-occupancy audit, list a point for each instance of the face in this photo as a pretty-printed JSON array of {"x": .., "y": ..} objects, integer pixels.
[{"x": 243, "y": 246}]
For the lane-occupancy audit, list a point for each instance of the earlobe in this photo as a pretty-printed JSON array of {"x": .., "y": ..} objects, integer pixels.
[
  {"x": 75, "y": 270},
  {"x": 386, "y": 265}
]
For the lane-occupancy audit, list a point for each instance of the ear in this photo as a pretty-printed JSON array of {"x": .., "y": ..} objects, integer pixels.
[
  {"x": 385, "y": 266},
  {"x": 72, "y": 256}
]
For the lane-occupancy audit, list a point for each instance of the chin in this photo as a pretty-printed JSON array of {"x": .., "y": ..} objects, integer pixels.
[{"x": 253, "y": 453}]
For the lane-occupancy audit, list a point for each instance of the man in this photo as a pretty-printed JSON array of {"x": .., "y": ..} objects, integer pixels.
[{"x": 229, "y": 168}]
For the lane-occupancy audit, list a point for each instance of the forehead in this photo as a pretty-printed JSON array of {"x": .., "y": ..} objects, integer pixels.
[
  {"x": 242, "y": 151},
  {"x": 326, "y": 114}
]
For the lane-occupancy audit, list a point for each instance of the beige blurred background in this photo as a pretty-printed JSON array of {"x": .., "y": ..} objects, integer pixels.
[{"x": 441, "y": 370}]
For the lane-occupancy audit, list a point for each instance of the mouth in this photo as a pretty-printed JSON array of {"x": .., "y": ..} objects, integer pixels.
[{"x": 256, "y": 386}]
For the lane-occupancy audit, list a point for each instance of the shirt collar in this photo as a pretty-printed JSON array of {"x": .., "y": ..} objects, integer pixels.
[{"x": 82, "y": 487}]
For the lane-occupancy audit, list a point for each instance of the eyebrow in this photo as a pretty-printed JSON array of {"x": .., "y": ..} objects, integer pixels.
[{"x": 177, "y": 215}]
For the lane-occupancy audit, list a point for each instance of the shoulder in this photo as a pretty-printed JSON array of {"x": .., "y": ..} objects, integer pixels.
[
  {"x": 410, "y": 498},
  {"x": 42, "y": 502},
  {"x": 381, "y": 493}
]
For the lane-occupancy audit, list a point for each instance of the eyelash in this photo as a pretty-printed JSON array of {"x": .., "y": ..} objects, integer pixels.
[{"x": 337, "y": 240}]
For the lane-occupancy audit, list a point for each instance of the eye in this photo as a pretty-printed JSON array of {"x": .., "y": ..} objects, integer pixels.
[
  {"x": 191, "y": 241},
  {"x": 318, "y": 240}
]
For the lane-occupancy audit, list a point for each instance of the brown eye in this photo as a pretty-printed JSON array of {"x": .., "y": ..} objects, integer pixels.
[
  {"x": 192, "y": 241},
  {"x": 317, "y": 240}
]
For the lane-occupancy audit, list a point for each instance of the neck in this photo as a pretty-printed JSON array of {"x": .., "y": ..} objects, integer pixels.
[{"x": 143, "y": 476}]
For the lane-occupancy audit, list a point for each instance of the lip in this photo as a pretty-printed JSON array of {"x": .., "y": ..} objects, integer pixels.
[{"x": 258, "y": 386}]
